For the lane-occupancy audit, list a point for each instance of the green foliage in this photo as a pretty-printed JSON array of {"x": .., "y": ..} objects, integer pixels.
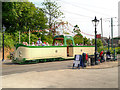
[
  {"x": 86, "y": 41},
  {"x": 11, "y": 39},
  {"x": 24, "y": 37},
  {"x": 99, "y": 42},
  {"x": 33, "y": 38},
  {"x": 47, "y": 38},
  {"x": 20, "y": 16},
  {"x": 78, "y": 38},
  {"x": 53, "y": 10},
  {"x": 117, "y": 50},
  {"x": 8, "y": 40},
  {"x": 69, "y": 42},
  {"x": 102, "y": 48}
]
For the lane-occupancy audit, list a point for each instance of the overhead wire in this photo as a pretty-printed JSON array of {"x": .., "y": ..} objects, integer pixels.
[
  {"x": 71, "y": 12},
  {"x": 85, "y": 8},
  {"x": 93, "y": 6},
  {"x": 81, "y": 8},
  {"x": 78, "y": 14}
]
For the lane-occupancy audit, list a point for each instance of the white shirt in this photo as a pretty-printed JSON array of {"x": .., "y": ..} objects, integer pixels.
[
  {"x": 39, "y": 42},
  {"x": 33, "y": 44}
]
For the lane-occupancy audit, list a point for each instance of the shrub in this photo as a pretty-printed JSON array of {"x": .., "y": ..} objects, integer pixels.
[
  {"x": 118, "y": 50},
  {"x": 8, "y": 40}
]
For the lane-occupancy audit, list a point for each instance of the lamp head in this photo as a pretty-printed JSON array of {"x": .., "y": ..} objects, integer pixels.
[{"x": 95, "y": 21}]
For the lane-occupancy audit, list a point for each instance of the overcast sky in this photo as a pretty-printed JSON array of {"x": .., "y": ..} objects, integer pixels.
[{"x": 82, "y": 12}]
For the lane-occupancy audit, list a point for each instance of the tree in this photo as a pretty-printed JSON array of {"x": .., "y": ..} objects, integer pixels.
[
  {"x": 53, "y": 11},
  {"x": 99, "y": 42},
  {"x": 86, "y": 41},
  {"x": 76, "y": 29},
  {"x": 78, "y": 38},
  {"x": 89, "y": 41},
  {"x": 20, "y": 16}
]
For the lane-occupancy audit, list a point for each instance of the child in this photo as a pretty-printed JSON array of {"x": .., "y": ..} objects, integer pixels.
[{"x": 33, "y": 44}]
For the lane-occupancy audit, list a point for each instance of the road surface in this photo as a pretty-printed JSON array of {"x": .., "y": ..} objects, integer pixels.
[
  {"x": 59, "y": 74},
  {"x": 9, "y": 68}
]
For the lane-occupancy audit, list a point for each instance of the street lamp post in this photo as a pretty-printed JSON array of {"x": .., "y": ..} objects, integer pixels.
[
  {"x": 95, "y": 22},
  {"x": 3, "y": 41},
  {"x": 108, "y": 43}
]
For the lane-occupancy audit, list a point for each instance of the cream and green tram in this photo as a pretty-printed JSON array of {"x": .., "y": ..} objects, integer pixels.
[{"x": 25, "y": 53}]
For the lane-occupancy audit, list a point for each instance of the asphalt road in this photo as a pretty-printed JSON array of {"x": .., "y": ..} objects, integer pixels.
[
  {"x": 9, "y": 68},
  {"x": 59, "y": 74},
  {"x": 64, "y": 78}
]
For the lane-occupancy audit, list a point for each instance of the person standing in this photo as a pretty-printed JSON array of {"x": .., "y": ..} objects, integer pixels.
[
  {"x": 39, "y": 42},
  {"x": 56, "y": 44},
  {"x": 36, "y": 44},
  {"x": 61, "y": 44}
]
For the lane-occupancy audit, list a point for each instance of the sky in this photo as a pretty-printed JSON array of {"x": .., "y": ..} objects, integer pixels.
[{"x": 82, "y": 12}]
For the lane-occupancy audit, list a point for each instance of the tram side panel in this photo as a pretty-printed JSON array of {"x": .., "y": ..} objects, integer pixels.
[
  {"x": 80, "y": 50},
  {"x": 40, "y": 53}
]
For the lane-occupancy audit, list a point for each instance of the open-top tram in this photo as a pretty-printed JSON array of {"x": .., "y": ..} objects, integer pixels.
[{"x": 25, "y": 53}]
